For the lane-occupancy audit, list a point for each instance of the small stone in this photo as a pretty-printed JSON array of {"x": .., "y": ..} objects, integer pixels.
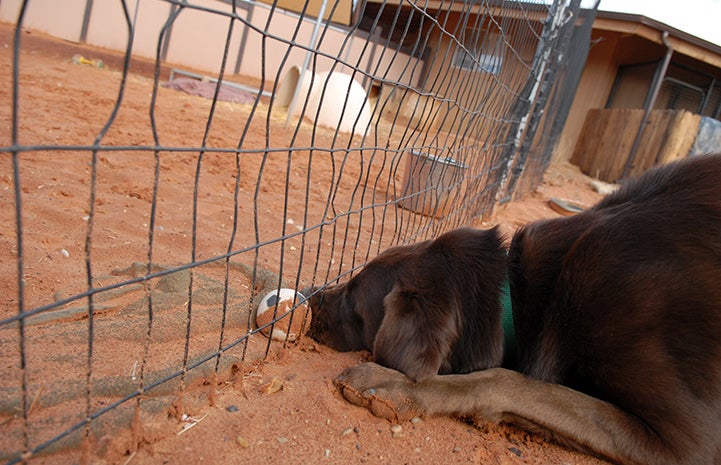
[
  {"x": 515, "y": 451},
  {"x": 457, "y": 450},
  {"x": 242, "y": 442},
  {"x": 357, "y": 446},
  {"x": 346, "y": 432},
  {"x": 281, "y": 439},
  {"x": 232, "y": 408},
  {"x": 397, "y": 431},
  {"x": 416, "y": 420},
  {"x": 275, "y": 385}
]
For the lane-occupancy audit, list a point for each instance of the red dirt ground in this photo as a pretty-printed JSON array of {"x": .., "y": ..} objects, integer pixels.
[{"x": 285, "y": 410}]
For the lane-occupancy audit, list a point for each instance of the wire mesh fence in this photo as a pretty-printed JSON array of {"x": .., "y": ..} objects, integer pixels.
[{"x": 176, "y": 160}]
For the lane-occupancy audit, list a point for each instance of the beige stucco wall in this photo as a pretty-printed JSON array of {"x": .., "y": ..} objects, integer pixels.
[
  {"x": 108, "y": 27},
  {"x": 197, "y": 39},
  {"x": 592, "y": 92},
  {"x": 62, "y": 19}
]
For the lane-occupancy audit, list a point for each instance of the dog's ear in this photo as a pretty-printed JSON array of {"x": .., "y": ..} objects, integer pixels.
[{"x": 416, "y": 334}]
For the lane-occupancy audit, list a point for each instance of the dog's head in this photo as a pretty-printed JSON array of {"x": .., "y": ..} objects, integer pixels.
[
  {"x": 422, "y": 309},
  {"x": 346, "y": 316}
]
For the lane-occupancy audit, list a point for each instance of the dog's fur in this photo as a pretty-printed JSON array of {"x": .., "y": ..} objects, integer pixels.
[{"x": 617, "y": 313}]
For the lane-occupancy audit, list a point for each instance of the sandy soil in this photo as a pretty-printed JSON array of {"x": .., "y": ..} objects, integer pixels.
[{"x": 283, "y": 410}]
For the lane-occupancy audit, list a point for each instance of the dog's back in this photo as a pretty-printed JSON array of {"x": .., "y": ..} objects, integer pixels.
[{"x": 625, "y": 303}]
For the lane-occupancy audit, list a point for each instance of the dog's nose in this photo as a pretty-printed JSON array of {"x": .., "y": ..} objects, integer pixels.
[{"x": 307, "y": 292}]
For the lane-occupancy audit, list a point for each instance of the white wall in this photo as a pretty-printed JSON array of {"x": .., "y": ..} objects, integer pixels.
[
  {"x": 198, "y": 37},
  {"x": 63, "y": 19}
]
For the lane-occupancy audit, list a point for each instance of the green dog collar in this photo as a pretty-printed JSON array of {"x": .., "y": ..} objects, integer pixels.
[{"x": 509, "y": 335}]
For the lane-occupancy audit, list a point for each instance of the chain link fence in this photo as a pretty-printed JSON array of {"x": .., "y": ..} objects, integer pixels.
[{"x": 170, "y": 162}]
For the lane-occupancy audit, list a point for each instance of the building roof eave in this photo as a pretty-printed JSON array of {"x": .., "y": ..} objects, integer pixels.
[{"x": 653, "y": 30}]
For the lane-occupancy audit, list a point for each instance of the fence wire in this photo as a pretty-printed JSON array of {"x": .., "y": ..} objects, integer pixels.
[{"x": 170, "y": 162}]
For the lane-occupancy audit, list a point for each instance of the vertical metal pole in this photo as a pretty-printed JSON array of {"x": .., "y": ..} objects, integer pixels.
[
  {"x": 86, "y": 20},
  {"x": 306, "y": 62},
  {"x": 707, "y": 96},
  {"x": 526, "y": 101},
  {"x": 648, "y": 104},
  {"x": 168, "y": 32},
  {"x": 244, "y": 38}
]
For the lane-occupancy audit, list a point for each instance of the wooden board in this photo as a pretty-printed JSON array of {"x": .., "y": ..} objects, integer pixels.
[{"x": 603, "y": 149}]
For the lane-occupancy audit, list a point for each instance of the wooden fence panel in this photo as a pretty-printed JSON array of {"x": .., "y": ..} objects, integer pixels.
[
  {"x": 681, "y": 136},
  {"x": 607, "y": 137}
]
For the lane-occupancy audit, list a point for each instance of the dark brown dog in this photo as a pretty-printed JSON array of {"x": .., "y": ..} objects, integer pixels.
[{"x": 617, "y": 314}]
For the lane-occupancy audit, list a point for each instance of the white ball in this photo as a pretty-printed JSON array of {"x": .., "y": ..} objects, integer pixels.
[{"x": 284, "y": 299}]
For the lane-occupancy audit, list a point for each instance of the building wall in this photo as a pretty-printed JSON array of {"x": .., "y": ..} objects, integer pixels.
[
  {"x": 108, "y": 27},
  {"x": 61, "y": 19},
  {"x": 197, "y": 38},
  {"x": 593, "y": 91},
  {"x": 479, "y": 91},
  {"x": 618, "y": 43}
]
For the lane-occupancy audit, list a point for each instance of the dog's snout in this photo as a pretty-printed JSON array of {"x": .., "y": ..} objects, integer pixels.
[{"x": 307, "y": 293}]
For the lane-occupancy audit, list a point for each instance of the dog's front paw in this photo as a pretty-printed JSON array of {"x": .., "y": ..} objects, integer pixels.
[{"x": 385, "y": 392}]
